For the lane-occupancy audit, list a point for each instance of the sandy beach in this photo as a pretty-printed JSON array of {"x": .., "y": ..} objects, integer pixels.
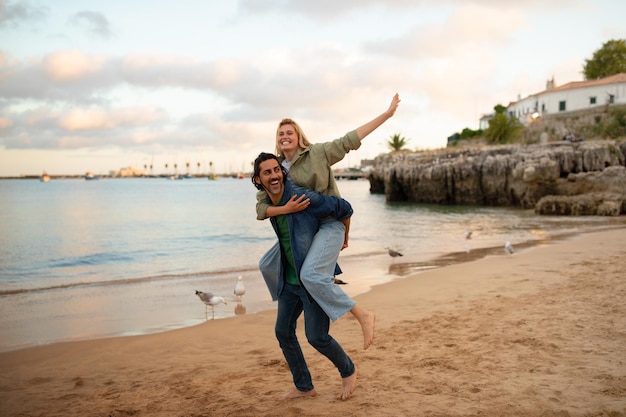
[{"x": 541, "y": 332}]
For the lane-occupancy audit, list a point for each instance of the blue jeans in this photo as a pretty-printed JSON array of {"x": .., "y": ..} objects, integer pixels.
[
  {"x": 291, "y": 302},
  {"x": 318, "y": 270},
  {"x": 270, "y": 267}
]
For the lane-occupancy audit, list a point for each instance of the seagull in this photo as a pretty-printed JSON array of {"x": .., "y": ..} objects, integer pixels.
[
  {"x": 240, "y": 289},
  {"x": 468, "y": 234},
  {"x": 209, "y": 300},
  {"x": 393, "y": 253},
  {"x": 508, "y": 248}
]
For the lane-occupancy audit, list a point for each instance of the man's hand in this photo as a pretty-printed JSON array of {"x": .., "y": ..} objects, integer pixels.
[{"x": 296, "y": 204}]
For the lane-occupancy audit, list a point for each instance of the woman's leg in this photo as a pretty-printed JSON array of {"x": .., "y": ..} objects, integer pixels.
[
  {"x": 318, "y": 270},
  {"x": 317, "y": 276}
]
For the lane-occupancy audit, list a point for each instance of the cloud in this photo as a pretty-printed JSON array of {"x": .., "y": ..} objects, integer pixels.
[
  {"x": 97, "y": 119},
  {"x": 5, "y": 123},
  {"x": 252, "y": 84},
  {"x": 93, "y": 22},
  {"x": 333, "y": 10},
  {"x": 68, "y": 76},
  {"x": 72, "y": 65},
  {"x": 16, "y": 14}
]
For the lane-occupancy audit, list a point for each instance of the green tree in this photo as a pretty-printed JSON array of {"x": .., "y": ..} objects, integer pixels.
[
  {"x": 610, "y": 59},
  {"x": 616, "y": 127},
  {"x": 499, "y": 109},
  {"x": 502, "y": 128},
  {"x": 468, "y": 133},
  {"x": 396, "y": 142}
]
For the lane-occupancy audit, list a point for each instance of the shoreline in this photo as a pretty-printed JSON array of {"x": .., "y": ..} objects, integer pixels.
[
  {"x": 536, "y": 333},
  {"x": 362, "y": 272}
]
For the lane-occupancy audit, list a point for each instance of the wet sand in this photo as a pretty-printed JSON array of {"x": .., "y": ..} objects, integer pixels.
[{"x": 541, "y": 332}]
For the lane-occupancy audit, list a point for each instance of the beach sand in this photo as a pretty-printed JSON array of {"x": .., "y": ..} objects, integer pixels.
[{"x": 541, "y": 332}]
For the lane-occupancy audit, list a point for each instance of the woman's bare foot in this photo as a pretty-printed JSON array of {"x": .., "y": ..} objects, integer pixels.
[
  {"x": 296, "y": 393},
  {"x": 367, "y": 320},
  {"x": 348, "y": 385},
  {"x": 367, "y": 325}
]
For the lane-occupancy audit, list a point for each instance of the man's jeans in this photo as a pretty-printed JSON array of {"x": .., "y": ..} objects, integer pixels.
[{"x": 291, "y": 302}]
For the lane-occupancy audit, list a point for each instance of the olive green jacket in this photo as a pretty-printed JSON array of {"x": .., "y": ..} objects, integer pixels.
[{"x": 311, "y": 168}]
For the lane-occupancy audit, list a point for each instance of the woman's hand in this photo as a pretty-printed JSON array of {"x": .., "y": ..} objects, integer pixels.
[
  {"x": 296, "y": 204},
  {"x": 394, "y": 105}
]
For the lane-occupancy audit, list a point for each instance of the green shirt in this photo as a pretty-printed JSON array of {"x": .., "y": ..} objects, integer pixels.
[{"x": 289, "y": 265}]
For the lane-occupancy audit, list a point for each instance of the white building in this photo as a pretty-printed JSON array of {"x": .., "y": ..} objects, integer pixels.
[
  {"x": 128, "y": 172},
  {"x": 570, "y": 97}
]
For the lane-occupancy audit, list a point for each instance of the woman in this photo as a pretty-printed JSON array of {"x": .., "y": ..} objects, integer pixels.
[{"x": 309, "y": 166}]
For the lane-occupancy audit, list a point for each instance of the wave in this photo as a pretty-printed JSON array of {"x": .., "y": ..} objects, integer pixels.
[
  {"x": 91, "y": 259},
  {"x": 127, "y": 281}
]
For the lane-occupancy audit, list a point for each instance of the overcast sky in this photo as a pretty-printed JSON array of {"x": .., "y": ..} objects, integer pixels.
[{"x": 89, "y": 85}]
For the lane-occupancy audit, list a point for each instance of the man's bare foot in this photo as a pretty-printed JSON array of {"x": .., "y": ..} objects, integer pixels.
[
  {"x": 368, "y": 323},
  {"x": 296, "y": 393},
  {"x": 348, "y": 385}
]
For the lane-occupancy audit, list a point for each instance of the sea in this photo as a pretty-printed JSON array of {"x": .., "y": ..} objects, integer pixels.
[{"x": 121, "y": 257}]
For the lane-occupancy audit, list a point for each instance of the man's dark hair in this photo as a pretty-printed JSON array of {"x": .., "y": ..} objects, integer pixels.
[{"x": 263, "y": 156}]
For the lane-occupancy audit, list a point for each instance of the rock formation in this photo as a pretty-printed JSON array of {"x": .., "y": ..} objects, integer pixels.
[{"x": 579, "y": 178}]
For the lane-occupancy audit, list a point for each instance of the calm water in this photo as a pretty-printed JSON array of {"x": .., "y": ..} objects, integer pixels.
[{"x": 88, "y": 259}]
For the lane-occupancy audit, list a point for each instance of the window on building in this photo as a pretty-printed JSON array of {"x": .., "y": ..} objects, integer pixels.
[
  {"x": 611, "y": 98},
  {"x": 562, "y": 105},
  {"x": 543, "y": 107},
  {"x": 592, "y": 100}
]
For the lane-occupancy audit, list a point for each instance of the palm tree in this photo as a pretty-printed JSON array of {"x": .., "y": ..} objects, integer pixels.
[{"x": 396, "y": 142}]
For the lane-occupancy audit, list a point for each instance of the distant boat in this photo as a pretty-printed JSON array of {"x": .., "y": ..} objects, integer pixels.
[
  {"x": 44, "y": 177},
  {"x": 213, "y": 177},
  {"x": 90, "y": 176}
]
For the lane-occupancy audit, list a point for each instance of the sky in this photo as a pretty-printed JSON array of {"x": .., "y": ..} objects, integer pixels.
[{"x": 90, "y": 85}]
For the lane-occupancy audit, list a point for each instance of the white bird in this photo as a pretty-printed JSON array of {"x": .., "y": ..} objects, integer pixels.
[
  {"x": 468, "y": 234},
  {"x": 209, "y": 300},
  {"x": 508, "y": 248},
  {"x": 240, "y": 289}
]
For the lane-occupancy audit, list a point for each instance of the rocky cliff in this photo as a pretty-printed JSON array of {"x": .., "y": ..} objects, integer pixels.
[{"x": 555, "y": 178}]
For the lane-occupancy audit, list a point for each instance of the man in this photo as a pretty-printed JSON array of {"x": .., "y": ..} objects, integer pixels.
[{"x": 295, "y": 233}]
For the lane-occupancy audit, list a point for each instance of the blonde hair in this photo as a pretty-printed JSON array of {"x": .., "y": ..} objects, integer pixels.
[{"x": 303, "y": 142}]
